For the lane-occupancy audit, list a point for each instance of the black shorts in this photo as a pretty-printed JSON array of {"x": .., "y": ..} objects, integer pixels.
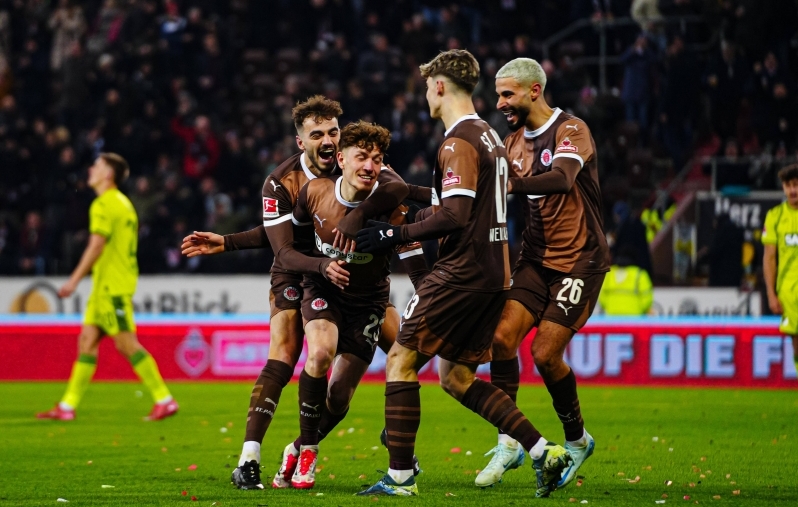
[
  {"x": 285, "y": 293},
  {"x": 359, "y": 320},
  {"x": 454, "y": 324},
  {"x": 567, "y": 299}
]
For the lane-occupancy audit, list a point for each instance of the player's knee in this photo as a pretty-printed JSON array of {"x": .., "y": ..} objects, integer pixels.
[
  {"x": 546, "y": 359},
  {"x": 319, "y": 360},
  {"x": 86, "y": 344},
  {"x": 503, "y": 345}
]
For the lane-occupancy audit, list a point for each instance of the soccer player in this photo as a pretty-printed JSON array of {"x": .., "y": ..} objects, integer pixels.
[
  {"x": 318, "y": 132},
  {"x": 345, "y": 294},
  {"x": 454, "y": 312},
  {"x": 111, "y": 257},
  {"x": 780, "y": 264},
  {"x": 564, "y": 257}
]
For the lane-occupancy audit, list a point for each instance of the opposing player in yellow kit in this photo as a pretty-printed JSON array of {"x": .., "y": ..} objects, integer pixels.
[
  {"x": 111, "y": 257},
  {"x": 780, "y": 264}
]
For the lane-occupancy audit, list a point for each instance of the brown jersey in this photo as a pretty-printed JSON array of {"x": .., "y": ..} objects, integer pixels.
[
  {"x": 321, "y": 206},
  {"x": 564, "y": 232},
  {"x": 280, "y": 194},
  {"x": 472, "y": 162}
]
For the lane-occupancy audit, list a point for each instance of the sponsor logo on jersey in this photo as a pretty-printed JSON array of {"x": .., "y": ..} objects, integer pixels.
[
  {"x": 567, "y": 145},
  {"x": 318, "y": 304},
  {"x": 791, "y": 239},
  {"x": 270, "y": 208},
  {"x": 351, "y": 257},
  {"x": 291, "y": 293},
  {"x": 545, "y": 157},
  {"x": 450, "y": 179}
]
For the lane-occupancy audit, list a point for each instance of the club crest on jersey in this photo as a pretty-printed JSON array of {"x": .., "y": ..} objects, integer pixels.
[
  {"x": 545, "y": 157},
  {"x": 567, "y": 145},
  {"x": 318, "y": 304},
  {"x": 270, "y": 208},
  {"x": 291, "y": 293},
  {"x": 450, "y": 178}
]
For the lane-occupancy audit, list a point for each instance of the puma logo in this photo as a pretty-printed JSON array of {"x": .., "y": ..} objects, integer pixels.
[
  {"x": 572, "y": 127},
  {"x": 518, "y": 163},
  {"x": 315, "y": 409},
  {"x": 274, "y": 185},
  {"x": 320, "y": 220},
  {"x": 382, "y": 235},
  {"x": 564, "y": 308},
  {"x": 450, "y": 147},
  {"x": 269, "y": 400}
]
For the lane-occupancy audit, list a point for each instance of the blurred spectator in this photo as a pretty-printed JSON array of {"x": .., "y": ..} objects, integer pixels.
[
  {"x": 201, "y": 151},
  {"x": 630, "y": 236},
  {"x": 34, "y": 245},
  {"x": 68, "y": 25},
  {"x": 627, "y": 288},
  {"x": 725, "y": 253},
  {"x": 638, "y": 62}
]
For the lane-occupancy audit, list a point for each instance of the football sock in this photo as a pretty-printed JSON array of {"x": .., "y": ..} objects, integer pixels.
[
  {"x": 328, "y": 422},
  {"x": 506, "y": 375},
  {"x": 581, "y": 442},
  {"x": 537, "y": 450},
  {"x": 265, "y": 397},
  {"x": 400, "y": 476},
  {"x": 82, "y": 371},
  {"x": 145, "y": 367},
  {"x": 312, "y": 397},
  {"x": 250, "y": 451},
  {"x": 402, "y": 418},
  {"x": 566, "y": 404},
  {"x": 496, "y": 407}
]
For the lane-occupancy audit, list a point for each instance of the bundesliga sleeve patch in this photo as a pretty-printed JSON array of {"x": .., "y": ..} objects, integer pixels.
[
  {"x": 270, "y": 208},
  {"x": 567, "y": 145},
  {"x": 450, "y": 179}
]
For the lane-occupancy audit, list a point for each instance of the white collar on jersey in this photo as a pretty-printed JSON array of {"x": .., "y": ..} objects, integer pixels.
[
  {"x": 305, "y": 168},
  {"x": 343, "y": 201},
  {"x": 474, "y": 116},
  {"x": 529, "y": 134}
]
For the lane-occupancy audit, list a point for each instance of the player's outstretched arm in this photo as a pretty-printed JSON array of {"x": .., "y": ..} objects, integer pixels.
[
  {"x": 90, "y": 255},
  {"x": 390, "y": 192},
  {"x": 381, "y": 236},
  {"x": 557, "y": 181},
  {"x": 209, "y": 243}
]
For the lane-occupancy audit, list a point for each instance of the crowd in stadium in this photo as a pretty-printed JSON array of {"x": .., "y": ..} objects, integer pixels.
[{"x": 196, "y": 95}]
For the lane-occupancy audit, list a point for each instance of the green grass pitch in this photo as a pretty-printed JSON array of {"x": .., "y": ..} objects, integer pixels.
[{"x": 709, "y": 443}]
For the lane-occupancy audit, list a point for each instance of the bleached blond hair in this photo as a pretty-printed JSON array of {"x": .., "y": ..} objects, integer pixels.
[{"x": 524, "y": 70}]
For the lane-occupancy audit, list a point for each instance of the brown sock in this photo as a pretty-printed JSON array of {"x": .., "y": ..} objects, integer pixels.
[
  {"x": 566, "y": 404},
  {"x": 506, "y": 375},
  {"x": 328, "y": 422},
  {"x": 265, "y": 397},
  {"x": 402, "y": 418},
  {"x": 312, "y": 397},
  {"x": 497, "y": 408}
]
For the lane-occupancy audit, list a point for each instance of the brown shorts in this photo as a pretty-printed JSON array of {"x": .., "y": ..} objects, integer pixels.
[
  {"x": 359, "y": 320},
  {"x": 567, "y": 299},
  {"x": 454, "y": 324},
  {"x": 286, "y": 292}
]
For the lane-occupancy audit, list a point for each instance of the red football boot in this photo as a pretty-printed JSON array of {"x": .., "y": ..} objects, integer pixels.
[
  {"x": 162, "y": 411},
  {"x": 57, "y": 413}
]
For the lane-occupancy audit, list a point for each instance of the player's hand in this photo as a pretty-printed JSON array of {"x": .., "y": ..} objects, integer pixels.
[
  {"x": 202, "y": 243},
  {"x": 336, "y": 274},
  {"x": 378, "y": 237},
  {"x": 343, "y": 243},
  {"x": 67, "y": 289},
  {"x": 775, "y": 304},
  {"x": 509, "y": 186}
]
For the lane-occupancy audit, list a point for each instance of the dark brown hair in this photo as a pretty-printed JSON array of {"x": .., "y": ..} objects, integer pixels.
[
  {"x": 317, "y": 107},
  {"x": 458, "y": 65},
  {"x": 119, "y": 165},
  {"x": 365, "y": 135},
  {"x": 788, "y": 173}
]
